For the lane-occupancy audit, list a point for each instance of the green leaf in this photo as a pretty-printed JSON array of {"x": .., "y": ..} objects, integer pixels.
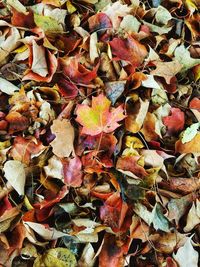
[
  {"x": 101, "y": 4},
  {"x": 130, "y": 24},
  {"x": 190, "y": 133},
  {"x": 162, "y": 15},
  {"x": 56, "y": 257},
  {"x": 48, "y": 24},
  {"x": 134, "y": 192},
  {"x": 183, "y": 56},
  {"x": 159, "y": 220},
  {"x": 155, "y": 217}
]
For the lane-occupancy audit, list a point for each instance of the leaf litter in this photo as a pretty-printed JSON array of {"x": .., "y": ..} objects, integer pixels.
[{"x": 99, "y": 133}]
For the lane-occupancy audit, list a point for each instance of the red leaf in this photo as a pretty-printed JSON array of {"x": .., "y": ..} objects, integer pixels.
[
  {"x": 174, "y": 122},
  {"x": 129, "y": 49},
  {"x": 114, "y": 211},
  {"x": 111, "y": 254},
  {"x": 17, "y": 122},
  {"x": 66, "y": 88},
  {"x": 99, "y": 117},
  {"x": 72, "y": 171},
  {"x": 99, "y": 21},
  {"x": 24, "y": 148},
  {"x": 5, "y": 205},
  {"x": 22, "y": 20},
  {"x": 195, "y": 103},
  {"x": 52, "y": 66},
  {"x": 130, "y": 163},
  {"x": 68, "y": 44},
  {"x": 76, "y": 71}
]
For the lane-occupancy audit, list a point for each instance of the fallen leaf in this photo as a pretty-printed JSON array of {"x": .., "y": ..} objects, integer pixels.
[
  {"x": 56, "y": 257},
  {"x": 44, "y": 231},
  {"x": 63, "y": 143},
  {"x": 24, "y": 149},
  {"x": 129, "y": 49},
  {"x": 190, "y": 133},
  {"x": 186, "y": 255},
  {"x": 136, "y": 115},
  {"x": 182, "y": 55},
  {"x": 193, "y": 217},
  {"x": 7, "y": 87},
  {"x": 166, "y": 69},
  {"x": 48, "y": 24},
  {"x": 72, "y": 171},
  {"x": 192, "y": 146},
  {"x": 131, "y": 164},
  {"x": 115, "y": 11},
  {"x": 93, "y": 47},
  {"x": 175, "y": 121},
  {"x": 15, "y": 174},
  {"x": 99, "y": 117}
]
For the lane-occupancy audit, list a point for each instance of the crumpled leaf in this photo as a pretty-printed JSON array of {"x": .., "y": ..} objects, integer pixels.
[
  {"x": 114, "y": 90},
  {"x": 15, "y": 174},
  {"x": 130, "y": 24},
  {"x": 25, "y": 149},
  {"x": 77, "y": 72},
  {"x": 167, "y": 69},
  {"x": 63, "y": 143},
  {"x": 44, "y": 231},
  {"x": 182, "y": 55},
  {"x": 186, "y": 255},
  {"x": 162, "y": 15},
  {"x": 156, "y": 217},
  {"x": 115, "y": 11},
  {"x": 48, "y": 24},
  {"x": 99, "y": 117},
  {"x": 129, "y": 49},
  {"x": 193, "y": 217},
  {"x": 88, "y": 256},
  {"x": 56, "y": 257},
  {"x": 136, "y": 115}
]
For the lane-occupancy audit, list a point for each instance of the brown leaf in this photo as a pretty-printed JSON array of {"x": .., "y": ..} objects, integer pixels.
[
  {"x": 63, "y": 143},
  {"x": 166, "y": 69}
]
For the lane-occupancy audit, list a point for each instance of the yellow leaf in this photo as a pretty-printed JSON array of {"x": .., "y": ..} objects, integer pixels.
[
  {"x": 48, "y": 24},
  {"x": 134, "y": 142},
  {"x": 4, "y": 144},
  {"x": 27, "y": 203},
  {"x": 48, "y": 184},
  {"x": 70, "y": 8},
  {"x": 56, "y": 257},
  {"x": 20, "y": 49}
]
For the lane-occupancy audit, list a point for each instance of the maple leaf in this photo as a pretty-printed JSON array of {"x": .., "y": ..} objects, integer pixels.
[
  {"x": 99, "y": 118},
  {"x": 174, "y": 122}
]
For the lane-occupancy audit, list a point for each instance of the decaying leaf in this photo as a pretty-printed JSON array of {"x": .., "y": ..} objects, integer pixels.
[{"x": 56, "y": 257}]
